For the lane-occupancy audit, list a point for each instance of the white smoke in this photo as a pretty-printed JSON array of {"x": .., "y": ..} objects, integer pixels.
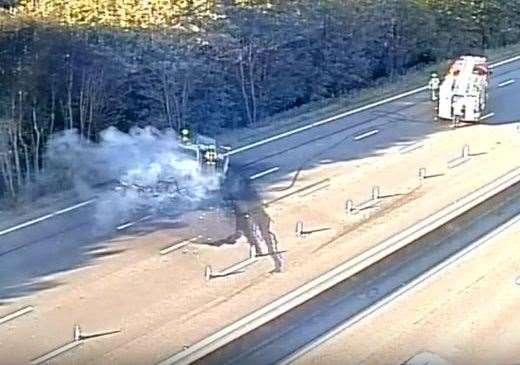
[{"x": 148, "y": 166}]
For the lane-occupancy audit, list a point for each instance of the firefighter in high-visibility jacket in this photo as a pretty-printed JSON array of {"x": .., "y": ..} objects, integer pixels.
[
  {"x": 185, "y": 135},
  {"x": 434, "y": 85},
  {"x": 210, "y": 156}
]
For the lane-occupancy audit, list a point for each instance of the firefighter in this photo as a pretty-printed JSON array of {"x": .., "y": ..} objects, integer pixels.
[
  {"x": 185, "y": 135},
  {"x": 211, "y": 156},
  {"x": 434, "y": 85}
]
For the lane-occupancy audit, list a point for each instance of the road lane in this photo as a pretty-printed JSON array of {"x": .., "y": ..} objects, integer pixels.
[
  {"x": 281, "y": 337},
  {"x": 46, "y": 217},
  {"x": 501, "y": 69},
  {"x": 45, "y": 229},
  {"x": 508, "y": 70},
  {"x": 411, "y": 126},
  {"x": 504, "y": 67},
  {"x": 33, "y": 255},
  {"x": 340, "y": 128},
  {"x": 401, "y": 121},
  {"x": 322, "y": 131}
]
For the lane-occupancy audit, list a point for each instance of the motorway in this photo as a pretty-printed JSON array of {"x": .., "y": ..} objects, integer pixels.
[
  {"x": 29, "y": 257},
  {"x": 275, "y": 341},
  {"x": 63, "y": 243}
]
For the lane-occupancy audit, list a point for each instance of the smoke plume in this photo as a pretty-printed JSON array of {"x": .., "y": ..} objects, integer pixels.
[{"x": 143, "y": 170}]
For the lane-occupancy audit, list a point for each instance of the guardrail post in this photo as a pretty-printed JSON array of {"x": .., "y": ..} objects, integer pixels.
[
  {"x": 252, "y": 252},
  {"x": 299, "y": 228},
  {"x": 422, "y": 173},
  {"x": 376, "y": 193},
  {"x": 207, "y": 272},
  {"x": 349, "y": 206},
  {"x": 77, "y": 332},
  {"x": 465, "y": 151}
]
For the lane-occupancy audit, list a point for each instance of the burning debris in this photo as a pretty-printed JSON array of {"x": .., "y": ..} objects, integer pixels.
[{"x": 168, "y": 188}]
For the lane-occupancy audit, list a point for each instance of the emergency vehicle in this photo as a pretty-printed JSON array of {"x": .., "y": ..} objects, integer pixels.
[{"x": 464, "y": 91}]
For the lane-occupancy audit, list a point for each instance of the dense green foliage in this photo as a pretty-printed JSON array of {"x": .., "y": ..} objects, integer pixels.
[{"x": 88, "y": 64}]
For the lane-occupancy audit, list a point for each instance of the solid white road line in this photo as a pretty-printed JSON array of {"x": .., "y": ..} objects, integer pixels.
[
  {"x": 507, "y": 83},
  {"x": 126, "y": 225},
  {"x": 263, "y": 173},
  {"x": 45, "y": 217},
  {"x": 341, "y": 272},
  {"x": 176, "y": 246},
  {"x": 16, "y": 314},
  {"x": 420, "y": 282},
  {"x": 505, "y": 62},
  {"x": 60, "y": 350},
  {"x": 366, "y": 135},
  {"x": 130, "y": 224},
  {"x": 487, "y": 116}
]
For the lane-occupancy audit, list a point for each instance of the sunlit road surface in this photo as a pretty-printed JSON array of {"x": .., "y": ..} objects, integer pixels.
[
  {"x": 466, "y": 315},
  {"x": 277, "y": 340}
]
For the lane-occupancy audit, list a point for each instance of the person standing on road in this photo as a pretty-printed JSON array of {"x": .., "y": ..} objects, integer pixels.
[
  {"x": 185, "y": 135},
  {"x": 434, "y": 85}
]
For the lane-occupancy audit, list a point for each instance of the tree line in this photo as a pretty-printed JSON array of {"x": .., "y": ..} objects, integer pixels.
[{"x": 210, "y": 65}]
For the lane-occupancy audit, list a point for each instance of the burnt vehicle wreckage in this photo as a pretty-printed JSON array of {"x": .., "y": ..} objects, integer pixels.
[{"x": 212, "y": 164}]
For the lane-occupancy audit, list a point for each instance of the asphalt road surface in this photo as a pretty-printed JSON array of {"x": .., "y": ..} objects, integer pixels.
[
  {"x": 276, "y": 340},
  {"x": 65, "y": 242}
]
